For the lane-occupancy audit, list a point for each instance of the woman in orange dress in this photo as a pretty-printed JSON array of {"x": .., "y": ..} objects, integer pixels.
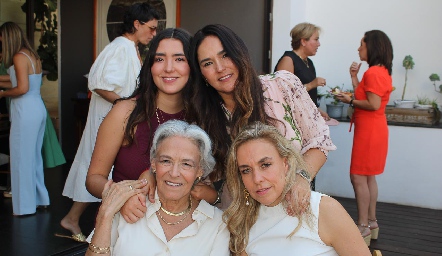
[{"x": 370, "y": 143}]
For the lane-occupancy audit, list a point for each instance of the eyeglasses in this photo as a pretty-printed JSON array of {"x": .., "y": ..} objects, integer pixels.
[{"x": 152, "y": 29}]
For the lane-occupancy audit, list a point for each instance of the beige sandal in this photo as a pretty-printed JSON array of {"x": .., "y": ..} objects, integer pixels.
[
  {"x": 374, "y": 231},
  {"x": 78, "y": 237},
  {"x": 365, "y": 232}
]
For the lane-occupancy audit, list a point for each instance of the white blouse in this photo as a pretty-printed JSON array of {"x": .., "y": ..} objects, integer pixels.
[
  {"x": 269, "y": 235},
  {"x": 207, "y": 235}
]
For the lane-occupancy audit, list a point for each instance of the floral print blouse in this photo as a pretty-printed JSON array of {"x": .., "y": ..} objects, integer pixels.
[{"x": 288, "y": 101}]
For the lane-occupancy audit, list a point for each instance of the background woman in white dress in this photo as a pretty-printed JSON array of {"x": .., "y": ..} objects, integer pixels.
[
  {"x": 112, "y": 76},
  {"x": 261, "y": 168},
  {"x": 28, "y": 116}
]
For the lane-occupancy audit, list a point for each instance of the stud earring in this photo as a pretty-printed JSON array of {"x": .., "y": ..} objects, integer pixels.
[
  {"x": 246, "y": 195},
  {"x": 154, "y": 171}
]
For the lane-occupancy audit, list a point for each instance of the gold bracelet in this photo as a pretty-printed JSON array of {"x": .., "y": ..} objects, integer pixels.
[{"x": 98, "y": 250}]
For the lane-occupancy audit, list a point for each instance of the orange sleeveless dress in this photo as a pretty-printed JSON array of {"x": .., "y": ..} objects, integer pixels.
[{"x": 370, "y": 143}]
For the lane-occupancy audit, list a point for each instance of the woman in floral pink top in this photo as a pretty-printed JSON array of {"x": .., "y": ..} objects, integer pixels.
[{"x": 229, "y": 93}]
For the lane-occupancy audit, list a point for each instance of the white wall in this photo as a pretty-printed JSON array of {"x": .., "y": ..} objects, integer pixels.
[
  {"x": 412, "y": 25},
  {"x": 412, "y": 176}
]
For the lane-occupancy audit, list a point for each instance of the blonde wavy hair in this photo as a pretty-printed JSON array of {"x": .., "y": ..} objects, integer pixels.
[
  {"x": 302, "y": 31},
  {"x": 240, "y": 217}
]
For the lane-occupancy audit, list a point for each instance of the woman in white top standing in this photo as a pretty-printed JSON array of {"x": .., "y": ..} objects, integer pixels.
[
  {"x": 112, "y": 76},
  {"x": 261, "y": 168},
  {"x": 28, "y": 116}
]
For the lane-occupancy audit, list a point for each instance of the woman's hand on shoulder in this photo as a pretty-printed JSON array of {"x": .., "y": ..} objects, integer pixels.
[
  {"x": 116, "y": 194},
  {"x": 203, "y": 191},
  {"x": 298, "y": 197},
  {"x": 337, "y": 229},
  {"x": 134, "y": 208},
  {"x": 151, "y": 184}
]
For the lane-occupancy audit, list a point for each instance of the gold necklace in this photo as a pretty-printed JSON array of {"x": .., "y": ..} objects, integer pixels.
[
  {"x": 179, "y": 213},
  {"x": 178, "y": 222},
  {"x": 303, "y": 60},
  {"x": 172, "y": 223}
]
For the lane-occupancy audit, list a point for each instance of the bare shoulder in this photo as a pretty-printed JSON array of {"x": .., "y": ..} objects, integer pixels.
[
  {"x": 123, "y": 108},
  {"x": 286, "y": 63},
  {"x": 330, "y": 206}
]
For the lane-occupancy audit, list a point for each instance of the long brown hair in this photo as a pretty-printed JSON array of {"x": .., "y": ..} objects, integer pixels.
[
  {"x": 248, "y": 95},
  {"x": 13, "y": 40},
  {"x": 146, "y": 91}
]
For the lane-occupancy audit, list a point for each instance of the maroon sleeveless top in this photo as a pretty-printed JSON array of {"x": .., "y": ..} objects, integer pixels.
[{"x": 134, "y": 159}]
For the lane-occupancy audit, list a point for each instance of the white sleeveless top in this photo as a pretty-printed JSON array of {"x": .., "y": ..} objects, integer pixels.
[{"x": 268, "y": 236}]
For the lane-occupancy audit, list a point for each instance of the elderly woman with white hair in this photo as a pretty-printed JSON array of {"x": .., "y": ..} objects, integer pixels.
[{"x": 176, "y": 223}]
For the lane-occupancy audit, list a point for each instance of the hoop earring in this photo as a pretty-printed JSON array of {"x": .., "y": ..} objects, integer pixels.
[{"x": 246, "y": 195}]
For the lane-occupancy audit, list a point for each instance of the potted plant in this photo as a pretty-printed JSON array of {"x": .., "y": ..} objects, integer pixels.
[
  {"x": 408, "y": 64},
  {"x": 424, "y": 102},
  {"x": 433, "y": 78},
  {"x": 335, "y": 108}
]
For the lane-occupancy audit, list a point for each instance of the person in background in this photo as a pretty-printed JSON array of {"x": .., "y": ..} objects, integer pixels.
[
  {"x": 51, "y": 149},
  {"x": 228, "y": 93},
  {"x": 370, "y": 142},
  {"x": 176, "y": 223},
  {"x": 261, "y": 169},
  {"x": 305, "y": 43},
  {"x": 112, "y": 76},
  {"x": 27, "y": 115},
  {"x": 162, "y": 94}
]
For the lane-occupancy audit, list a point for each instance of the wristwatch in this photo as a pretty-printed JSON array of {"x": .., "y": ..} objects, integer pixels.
[
  {"x": 303, "y": 173},
  {"x": 351, "y": 103}
]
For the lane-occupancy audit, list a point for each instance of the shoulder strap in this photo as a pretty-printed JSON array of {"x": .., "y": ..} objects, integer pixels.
[{"x": 33, "y": 68}]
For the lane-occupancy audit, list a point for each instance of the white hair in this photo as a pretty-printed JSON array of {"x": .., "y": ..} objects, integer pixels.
[{"x": 193, "y": 132}]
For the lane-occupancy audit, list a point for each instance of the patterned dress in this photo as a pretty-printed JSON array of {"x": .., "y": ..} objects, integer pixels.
[{"x": 287, "y": 100}]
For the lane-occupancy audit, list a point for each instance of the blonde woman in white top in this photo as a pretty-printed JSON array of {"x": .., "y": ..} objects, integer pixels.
[{"x": 261, "y": 168}]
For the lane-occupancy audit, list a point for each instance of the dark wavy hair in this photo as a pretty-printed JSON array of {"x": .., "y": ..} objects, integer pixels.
[
  {"x": 146, "y": 91},
  {"x": 143, "y": 12},
  {"x": 379, "y": 49},
  {"x": 248, "y": 95}
]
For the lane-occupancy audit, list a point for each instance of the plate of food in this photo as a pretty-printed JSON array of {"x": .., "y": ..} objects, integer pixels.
[{"x": 337, "y": 91}]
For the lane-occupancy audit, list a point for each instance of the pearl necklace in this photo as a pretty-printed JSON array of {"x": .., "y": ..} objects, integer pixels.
[{"x": 160, "y": 117}]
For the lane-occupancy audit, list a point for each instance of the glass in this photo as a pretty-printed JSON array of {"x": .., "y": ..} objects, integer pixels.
[
  {"x": 152, "y": 29},
  {"x": 168, "y": 163}
]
